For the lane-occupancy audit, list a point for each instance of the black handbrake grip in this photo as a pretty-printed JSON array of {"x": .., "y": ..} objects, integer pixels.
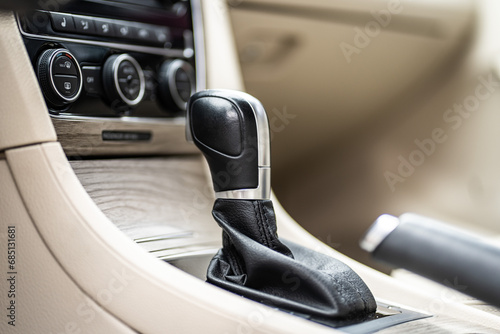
[
  {"x": 231, "y": 130},
  {"x": 443, "y": 253}
]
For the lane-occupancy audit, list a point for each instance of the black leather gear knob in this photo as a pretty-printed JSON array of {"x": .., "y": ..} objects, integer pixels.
[{"x": 231, "y": 130}]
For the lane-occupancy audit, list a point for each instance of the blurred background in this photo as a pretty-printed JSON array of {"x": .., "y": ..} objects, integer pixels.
[{"x": 377, "y": 107}]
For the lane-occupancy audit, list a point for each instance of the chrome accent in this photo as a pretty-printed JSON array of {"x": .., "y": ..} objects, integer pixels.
[
  {"x": 380, "y": 229},
  {"x": 188, "y": 53},
  {"x": 188, "y": 43},
  {"x": 116, "y": 63},
  {"x": 52, "y": 57},
  {"x": 118, "y": 120},
  {"x": 199, "y": 45},
  {"x": 171, "y": 71},
  {"x": 189, "y": 134},
  {"x": 263, "y": 136},
  {"x": 263, "y": 191},
  {"x": 93, "y": 67}
]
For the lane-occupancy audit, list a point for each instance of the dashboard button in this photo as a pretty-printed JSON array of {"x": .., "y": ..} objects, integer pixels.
[
  {"x": 84, "y": 25},
  {"x": 62, "y": 22},
  {"x": 161, "y": 35},
  {"x": 66, "y": 85},
  {"x": 152, "y": 34},
  {"x": 64, "y": 65},
  {"x": 124, "y": 30},
  {"x": 92, "y": 79},
  {"x": 144, "y": 33},
  {"x": 104, "y": 28}
]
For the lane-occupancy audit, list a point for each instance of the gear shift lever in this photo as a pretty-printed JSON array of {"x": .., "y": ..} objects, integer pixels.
[{"x": 231, "y": 130}]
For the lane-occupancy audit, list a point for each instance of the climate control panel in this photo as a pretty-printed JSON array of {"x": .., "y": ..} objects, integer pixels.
[{"x": 101, "y": 62}]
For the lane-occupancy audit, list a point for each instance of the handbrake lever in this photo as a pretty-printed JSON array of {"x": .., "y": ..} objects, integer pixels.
[{"x": 437, "y": 251}]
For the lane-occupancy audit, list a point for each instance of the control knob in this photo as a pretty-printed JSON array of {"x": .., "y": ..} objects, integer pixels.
[
  {"x": 123, "y": 81},
  {"x": 176, "y": 84},
  {"x": 60, "y": 77}
]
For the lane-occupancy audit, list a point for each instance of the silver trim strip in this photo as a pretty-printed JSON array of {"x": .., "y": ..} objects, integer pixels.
[
  {"x": 126, "y": 119},
  {"x": 263, "y": 136},
  {"x": 262, "y": 192},
  {"x": 379, "y": 230},
  {"x": 199, "y": 45},
  {"x": 189, "y": 134}
]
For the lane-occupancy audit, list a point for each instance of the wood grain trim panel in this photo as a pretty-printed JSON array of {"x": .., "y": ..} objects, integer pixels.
[
  {"x": 82, "y": 137},
  {"x": 163, "y": 204}
]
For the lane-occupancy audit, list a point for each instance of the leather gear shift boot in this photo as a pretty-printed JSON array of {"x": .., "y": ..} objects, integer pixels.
[{"x": 256, "y": 264}]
